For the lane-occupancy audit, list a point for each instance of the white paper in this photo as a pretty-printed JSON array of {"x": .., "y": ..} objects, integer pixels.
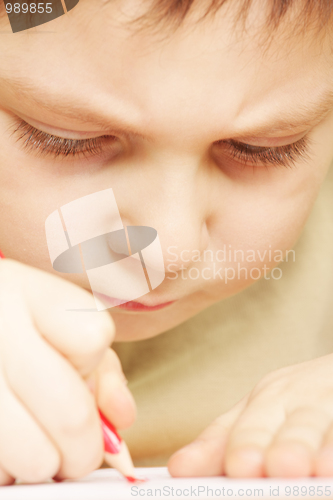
[{"x": 107, "y": 484}]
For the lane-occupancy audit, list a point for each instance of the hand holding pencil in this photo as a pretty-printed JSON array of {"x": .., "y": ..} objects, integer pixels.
[{"x": 49, "y": 423}]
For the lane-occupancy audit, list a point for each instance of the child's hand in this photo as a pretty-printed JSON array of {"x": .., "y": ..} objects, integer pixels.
[
  {"x": 49, "y": 423},
  {"x": 283, "y": 428}
]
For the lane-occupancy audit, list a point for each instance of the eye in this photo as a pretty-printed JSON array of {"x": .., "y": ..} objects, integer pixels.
[
  {"x": 34, "y": 140},
  {"x": 247, "y": 154}
]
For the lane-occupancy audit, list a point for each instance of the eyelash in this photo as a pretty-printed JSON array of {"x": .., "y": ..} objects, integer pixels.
[
  {"x": 47, "y": 144},
  {"x": 285, "y": 156}
]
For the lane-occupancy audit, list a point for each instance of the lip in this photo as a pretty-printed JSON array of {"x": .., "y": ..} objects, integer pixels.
[
  {"x": 138, "y": 307},
  {"x": 133, "y": 305}
]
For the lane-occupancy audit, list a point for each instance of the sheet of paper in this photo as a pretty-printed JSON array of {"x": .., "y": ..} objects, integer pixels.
[{"x": 107, "y": 484}]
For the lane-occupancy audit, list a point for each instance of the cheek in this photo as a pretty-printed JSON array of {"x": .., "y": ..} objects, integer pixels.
[
  {"x": 28, "y": 194},
  {"x": 22, "y": 233},
  {"x": 31, "y": 188},
  {"x": 22, "y": 200},
  {"x": 269, "y": 207},
  {"x": 270, "y": 211}
]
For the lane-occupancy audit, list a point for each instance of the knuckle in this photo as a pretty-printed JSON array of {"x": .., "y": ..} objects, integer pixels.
[
  {"x": 307, "y": 415},
  {"x": 78, "y": 421},
  {"x": 98, "y": 335},
  {"x": 275, "y": 381}
]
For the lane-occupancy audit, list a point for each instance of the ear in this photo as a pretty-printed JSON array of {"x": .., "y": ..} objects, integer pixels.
[{"x": 26, "y": 14}]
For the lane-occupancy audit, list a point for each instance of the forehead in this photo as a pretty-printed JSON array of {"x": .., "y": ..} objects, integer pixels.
[{"x": 98, "y": 56}]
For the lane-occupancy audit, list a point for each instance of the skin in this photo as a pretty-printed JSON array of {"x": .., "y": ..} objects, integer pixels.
[{"x": 167, "y": 100}]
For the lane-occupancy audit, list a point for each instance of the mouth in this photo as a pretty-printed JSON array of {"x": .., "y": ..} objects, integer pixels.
[
  {"x": 132, "y": 305},
  {"x": 137, "y": 306}
]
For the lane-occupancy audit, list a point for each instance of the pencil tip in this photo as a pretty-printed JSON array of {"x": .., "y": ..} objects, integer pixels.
[{"x": 131, "y": 479}]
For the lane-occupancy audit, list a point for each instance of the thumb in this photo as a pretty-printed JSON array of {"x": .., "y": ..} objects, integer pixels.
[
  {"x": 205, "y": 455},
  {"x": 113, "y": 398}
]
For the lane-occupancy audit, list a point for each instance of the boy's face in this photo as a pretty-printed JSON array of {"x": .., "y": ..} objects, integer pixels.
[{"x": 169, "y": 103}]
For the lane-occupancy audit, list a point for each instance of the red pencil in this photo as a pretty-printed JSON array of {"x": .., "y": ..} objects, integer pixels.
[{"x": 116, "y": 451}]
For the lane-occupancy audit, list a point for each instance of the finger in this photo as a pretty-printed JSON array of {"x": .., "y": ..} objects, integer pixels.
[
  {"x": 292, "y": 452},
  {"x": 112, "y": 395},
  {"x": 5, "y": 478},
  {"x": 324, "y": 458},
  {"x": 248, "y": 439},
  {"x": 26, "y": 451},
  {"x": 55, "y": 394},
  {"x": 82, "y": 337},
  {"x": 205, "y": 455}
]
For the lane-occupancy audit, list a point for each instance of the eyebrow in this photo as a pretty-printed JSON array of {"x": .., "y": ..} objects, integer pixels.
[
  {"x": 307, "y": 113},
  {"x": 71, "y": 108}
]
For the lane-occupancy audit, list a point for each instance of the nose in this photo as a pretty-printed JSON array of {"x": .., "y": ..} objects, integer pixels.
[{"x": 172, "y": 196}]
